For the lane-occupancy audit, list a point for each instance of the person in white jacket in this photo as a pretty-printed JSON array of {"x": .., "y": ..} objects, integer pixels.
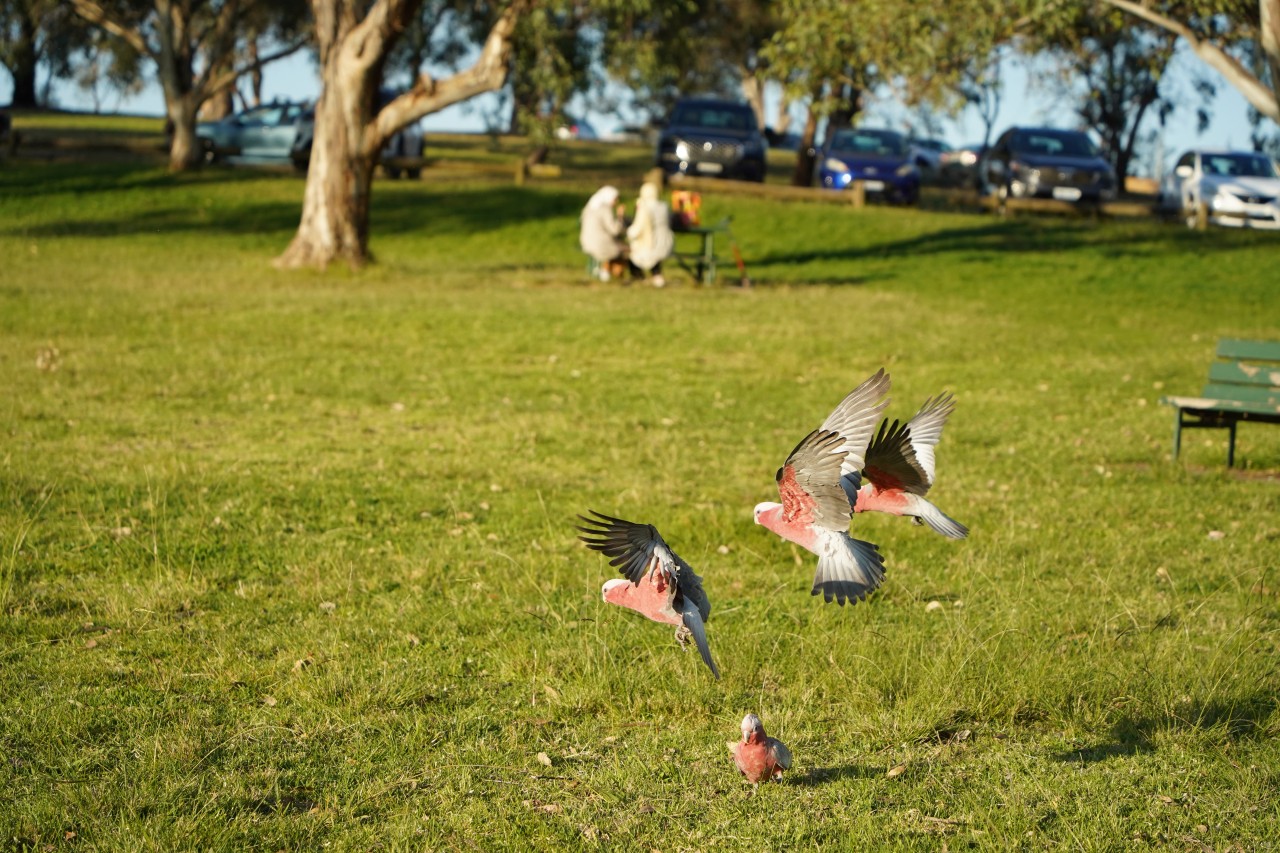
[
  {"x": 650, "y": 234},
  {"x": 602, "y": 229}
]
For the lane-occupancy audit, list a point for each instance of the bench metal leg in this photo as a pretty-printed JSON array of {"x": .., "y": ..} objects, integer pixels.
[
  {"x": 1177, "y": 433},
  {"x": 1231, "y": 446}
]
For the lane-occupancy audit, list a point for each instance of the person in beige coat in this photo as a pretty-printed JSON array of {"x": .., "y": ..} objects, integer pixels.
[
  {"x": 602, "y": 230},
  {"x": 650, "y": 234}
]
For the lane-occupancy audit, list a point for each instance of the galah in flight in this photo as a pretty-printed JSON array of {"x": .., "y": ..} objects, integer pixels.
[
  {"x": 899, "y": 469},
  {"x": 758, "y": 756},
  {"x": 815, "y": 510},
  {"x": 657, "y": 584}
]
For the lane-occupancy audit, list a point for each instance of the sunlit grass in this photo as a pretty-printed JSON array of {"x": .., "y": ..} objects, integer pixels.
[{"x": 287, "y": 559}]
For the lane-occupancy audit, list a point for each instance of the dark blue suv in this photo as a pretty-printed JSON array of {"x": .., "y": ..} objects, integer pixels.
[{"x": 712, "y": 138}]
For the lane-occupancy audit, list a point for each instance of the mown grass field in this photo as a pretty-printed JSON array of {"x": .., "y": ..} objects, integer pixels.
[{"x": 287, "y": 560}]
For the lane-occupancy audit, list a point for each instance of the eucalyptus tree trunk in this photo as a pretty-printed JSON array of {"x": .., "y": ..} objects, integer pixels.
[{"x": 350, "y": 130}]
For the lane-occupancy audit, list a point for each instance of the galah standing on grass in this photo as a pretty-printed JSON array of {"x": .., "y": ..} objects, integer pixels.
[
  {"x": 899, "y": 469},
  {"x": 758, "y": 756},
  {"x": 658, "y": 584},
  {"x": 815, "y": 510}
]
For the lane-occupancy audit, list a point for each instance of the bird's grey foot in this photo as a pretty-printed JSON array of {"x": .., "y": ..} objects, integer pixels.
[{"x": 682, "y": 637}]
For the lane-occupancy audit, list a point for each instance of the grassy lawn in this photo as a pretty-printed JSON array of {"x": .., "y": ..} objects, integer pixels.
[{"x": 287, "y": 560}]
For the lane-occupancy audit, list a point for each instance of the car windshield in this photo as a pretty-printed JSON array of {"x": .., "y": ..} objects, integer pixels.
[
  {"x": 877, "y": 144},
  {"x": 715, "y": 117},
  {"x": 1064, "y": 143},
  {"x": 1242, "y": 165}
]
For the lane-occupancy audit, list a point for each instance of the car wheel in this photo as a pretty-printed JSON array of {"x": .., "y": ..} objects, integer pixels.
[
  {"x": 393, "y": 173},
  {"x": 413, "y": 174}
]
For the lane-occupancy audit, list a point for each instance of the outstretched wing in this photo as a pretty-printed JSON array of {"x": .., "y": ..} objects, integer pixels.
[
  {"x": 925, "y": 427},
  {"x": 892, "y": 462},
  {"x": 855, "y": 419},
  {"x": 809, "y": 483},
  {"x": 631, "y": 547}
]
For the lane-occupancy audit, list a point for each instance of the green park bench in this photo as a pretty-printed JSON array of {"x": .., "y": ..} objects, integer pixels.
[{"x": 1244, "y": 385}]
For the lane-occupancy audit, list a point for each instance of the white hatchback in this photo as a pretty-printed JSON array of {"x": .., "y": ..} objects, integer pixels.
[{"x": 1238, "y": 189}]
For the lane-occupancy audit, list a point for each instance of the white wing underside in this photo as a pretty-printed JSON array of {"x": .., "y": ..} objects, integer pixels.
[{"x": 856, "y": 417}]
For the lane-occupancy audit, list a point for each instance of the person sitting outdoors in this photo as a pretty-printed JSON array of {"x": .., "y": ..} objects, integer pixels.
[
  {"x": 651, "y": 240},
  {"x": 602, "y": 229}
]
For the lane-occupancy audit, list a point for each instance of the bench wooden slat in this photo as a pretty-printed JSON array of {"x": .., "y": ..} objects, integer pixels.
[
  {"x": 1217, "y": 403},
  {"x": 1260, "y": 350},
  {"x": 1244, "y": 375}
]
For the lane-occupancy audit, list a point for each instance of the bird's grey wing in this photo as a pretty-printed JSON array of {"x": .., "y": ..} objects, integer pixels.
[
  {"x": 693, "y": 621},
  {"x": 631, "y": 547},
  {"x": 809, "y": 482},
  {"x": 779, "y": 753},
  {"x": 690, "y": 585},
  {"x": 855, "y": 418},
  {"x": 891, "y": 460},
  {"x": 925, "y": 427}
]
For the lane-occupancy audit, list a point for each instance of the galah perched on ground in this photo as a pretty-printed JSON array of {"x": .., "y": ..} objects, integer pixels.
[
  {"x": 758, "y": 756},
  {"x": 658, "y": 584},
  {"x": 815, "y": 510},
  {"x": 899, "y": 469}
]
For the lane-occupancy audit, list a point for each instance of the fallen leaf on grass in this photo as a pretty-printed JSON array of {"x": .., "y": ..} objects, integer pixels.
[
  {"x": 269, "y": 701},
  {"x": 543, "y": 758},
  {"x": 302, "y": 663},
  {"x": 895, "y": 772}
]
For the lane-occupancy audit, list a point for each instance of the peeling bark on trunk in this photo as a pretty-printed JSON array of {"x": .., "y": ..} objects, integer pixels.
[{"x": 335, "y": 204}]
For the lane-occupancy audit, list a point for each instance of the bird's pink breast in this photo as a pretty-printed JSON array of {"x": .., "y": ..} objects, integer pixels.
[
  {"x": 651, "y": 598},
  {"x": 754, "y": 761}
]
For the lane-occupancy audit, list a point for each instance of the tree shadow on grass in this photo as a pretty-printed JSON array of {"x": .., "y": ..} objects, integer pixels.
[
  {"x": 1134, "y": 735},
  {"x": 395, "y": 209},
  {"x": 1025, "y": 236}
]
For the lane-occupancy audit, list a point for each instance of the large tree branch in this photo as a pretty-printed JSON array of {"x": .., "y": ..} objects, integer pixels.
[
  {"x": 429, "y": 95},
  {"x": 95, "y": 14},
  {"x": 216, "y": 83},
  {"x": 1263, "y": 99}
]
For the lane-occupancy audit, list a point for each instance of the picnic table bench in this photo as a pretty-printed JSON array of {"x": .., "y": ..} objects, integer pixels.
[
  {"x": 701, "y": 264},
  {"x": 1244, "y": 385}
]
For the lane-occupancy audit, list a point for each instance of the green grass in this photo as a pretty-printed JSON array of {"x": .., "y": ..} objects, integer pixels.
[{"x": 287, "y": 560}]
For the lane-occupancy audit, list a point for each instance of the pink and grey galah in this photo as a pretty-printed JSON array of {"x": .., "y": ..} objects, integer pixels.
[
  {"x": 899, "y": 469},
  {"x": 815, "y": 511},
  {"x": 657, "y": 584},
  {"x": 758, "y": 756}
]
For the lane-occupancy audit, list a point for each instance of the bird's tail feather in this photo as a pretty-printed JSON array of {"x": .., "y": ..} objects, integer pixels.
[
  {"x": 693, "y": 621},
  {"x": 940, "y": 521},
  {"x": 848, "y": 571}
]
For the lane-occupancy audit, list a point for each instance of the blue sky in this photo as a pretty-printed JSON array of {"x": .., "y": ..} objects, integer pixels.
[{"x": 1023, "y": 102}]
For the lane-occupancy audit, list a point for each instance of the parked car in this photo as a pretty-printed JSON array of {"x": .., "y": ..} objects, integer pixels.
[
  {"x": 264, "y": 133},
  {"x": 573, "y": 128},
  {"x": 960, "y": 165},
  {"x": 1235, "y": 188},
  {"x": 402, "y": 153},
  {"x": 928, "y": 155},
  {"x": 712, "y": 138},
  {"x": 882, "y": 159},
  {"x": 1043, "y": 162}
]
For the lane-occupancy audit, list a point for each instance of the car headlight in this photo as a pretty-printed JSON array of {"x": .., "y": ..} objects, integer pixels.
[
  {"x": 905, "y": 169},
  {"x": 682, "y": 150},
  {"x": 832, "y": 164}
]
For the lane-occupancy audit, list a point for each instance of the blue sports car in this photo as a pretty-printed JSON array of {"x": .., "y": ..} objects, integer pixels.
[{"x": 881, "y": 159}]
